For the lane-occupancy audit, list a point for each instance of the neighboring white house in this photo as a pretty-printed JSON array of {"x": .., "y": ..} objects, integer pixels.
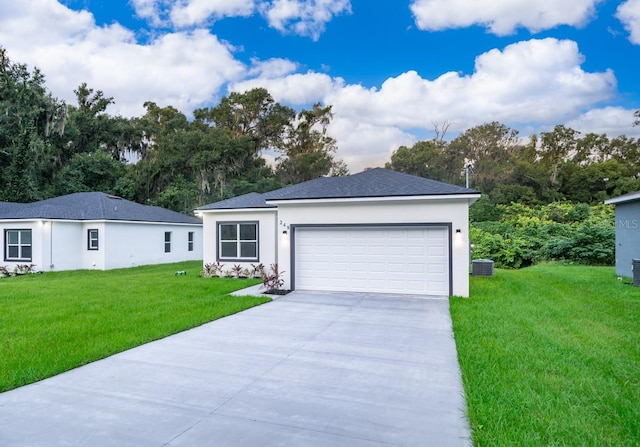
[
  {"x": 377, "y": 231},
  {"x": 93, "y": 230}
]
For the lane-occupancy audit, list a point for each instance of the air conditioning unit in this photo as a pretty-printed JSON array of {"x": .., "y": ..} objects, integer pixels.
[{"x": 482, "y": 267}]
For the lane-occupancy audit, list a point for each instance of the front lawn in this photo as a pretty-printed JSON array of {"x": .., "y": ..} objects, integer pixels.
[
  {"x": 54, "y": 322},
  {"x": 550, "y": 356}
]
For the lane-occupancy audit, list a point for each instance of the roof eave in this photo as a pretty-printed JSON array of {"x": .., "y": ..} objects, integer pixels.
[
  {"x": 236, "y": 210},
  {"x": 623, "y": 199},
  {"x": 472, "y": 197},
  {"x": 91, "y": 221}
]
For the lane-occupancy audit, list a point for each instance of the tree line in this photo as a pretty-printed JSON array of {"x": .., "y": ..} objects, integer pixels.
[
  {"x": 49, "y": 148},
  {"x": 249, "y": 142},
  {"x": 559, "y": 165}
]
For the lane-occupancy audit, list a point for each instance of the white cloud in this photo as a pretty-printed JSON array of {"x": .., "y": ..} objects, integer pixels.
[
  {"x": 297, "y": 89},
  {"x": 189, "y": 13},
  {"x": 41, "y": 22},
  {"x": 196, "y": 12},
  {"x": 629, "y": 14},
  {"x": 303, "y": 17},
  {"x": 532, "y": 81},
  {"x": 501, "y": 17},
  {"x": 535, "y": 81},
  {"x": 154, "y": 11},
  {"x": 300, "y": 17},
  {"x": 365, "y": 145},
  {"x": 613, "y": 121},
  {"x": 272, "y": 68},
  {"x": 183, "y": 69}
]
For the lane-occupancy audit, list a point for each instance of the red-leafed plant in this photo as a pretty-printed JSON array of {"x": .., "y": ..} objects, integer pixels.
[{"x": 272, "y": 280}]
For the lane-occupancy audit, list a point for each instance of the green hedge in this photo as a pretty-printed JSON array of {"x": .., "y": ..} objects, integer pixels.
[{"x": 522, "y": 235}]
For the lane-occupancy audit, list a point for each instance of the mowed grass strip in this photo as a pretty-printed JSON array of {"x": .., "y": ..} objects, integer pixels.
[
  {"x": 550, "y": 356},
  {"x": 54, "y": 322}
]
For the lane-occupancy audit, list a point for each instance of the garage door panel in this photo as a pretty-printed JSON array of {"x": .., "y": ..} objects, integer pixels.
[
  {"x": 377, "y": 250},
  {"x": 437, "y": 250},
  {"x": 397, "y": 250},
  {"x": 385, "y": 260},
  {"x": 416, "y": 268},
  {"x": 395, "y": 267}
]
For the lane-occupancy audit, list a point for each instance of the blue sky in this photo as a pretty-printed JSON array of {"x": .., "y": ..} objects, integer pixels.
[{"x": 393, "y": 70}]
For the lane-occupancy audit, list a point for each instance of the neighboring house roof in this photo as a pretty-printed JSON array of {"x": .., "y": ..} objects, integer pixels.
[
  {"x": 376, "y": 182},
  {"x": 631, "y": 197},
  {"x": 251, "y": 200},
  {"x": 92, "y": 206},
  {"x": 6, "y": 206}
]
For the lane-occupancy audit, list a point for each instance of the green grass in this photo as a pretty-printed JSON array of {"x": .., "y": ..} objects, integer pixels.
[
  {"x": 54, "y": 322},
  {"x": 550, "y": 356}
]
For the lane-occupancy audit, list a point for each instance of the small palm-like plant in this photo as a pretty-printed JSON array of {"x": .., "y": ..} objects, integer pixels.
[{"x": 272, "y": 281}]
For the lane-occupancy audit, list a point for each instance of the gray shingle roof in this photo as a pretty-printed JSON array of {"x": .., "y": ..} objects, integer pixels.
[
  {"x": 92, "y": 206},
  {"x": 6, "y": 206},
  {"x": 251, "y": 200},
  {"x": 376, "y": 182}
]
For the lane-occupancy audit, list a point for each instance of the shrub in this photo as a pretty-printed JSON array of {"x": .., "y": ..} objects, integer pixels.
[
  {"x": 559, "y": 231},
  {"x": 212, "y": 269},
  {"x": 272, "y": 280}
]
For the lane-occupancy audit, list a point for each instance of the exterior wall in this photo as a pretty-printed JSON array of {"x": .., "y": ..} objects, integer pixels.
[
  {"x": 129, "y": 244},
  {"x": 94, "y": 259},
  {"x": 627, "y": 236},
  {"x": 62, "y": 245},
  {"x": 267, "y": 248},
  {"x": 450, "y": 211},
  {"x": 66, "y": 243}
]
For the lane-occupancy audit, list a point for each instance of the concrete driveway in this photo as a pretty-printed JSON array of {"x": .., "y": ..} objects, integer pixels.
[{"x": 308, "y": 369}]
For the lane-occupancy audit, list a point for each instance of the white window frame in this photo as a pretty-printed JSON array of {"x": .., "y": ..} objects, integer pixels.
[
  {"x": 167, "y": 242},
  {"x": 238, "y": 241},
  {"x": 190, "y": 239},
  {"x": 20, "y": 244},
  {"x": 93, "y": 239}
]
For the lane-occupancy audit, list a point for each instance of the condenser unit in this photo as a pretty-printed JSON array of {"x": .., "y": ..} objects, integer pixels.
[{"x": 482, "y": 267}]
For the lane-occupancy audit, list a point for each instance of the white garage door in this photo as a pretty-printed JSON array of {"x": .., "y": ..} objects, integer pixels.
[{"x": 411, "y": 260}]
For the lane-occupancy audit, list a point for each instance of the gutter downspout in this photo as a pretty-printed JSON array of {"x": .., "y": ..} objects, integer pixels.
[
  {"x": 51, "y": 265},
  {"x": 277, "y": 236}
]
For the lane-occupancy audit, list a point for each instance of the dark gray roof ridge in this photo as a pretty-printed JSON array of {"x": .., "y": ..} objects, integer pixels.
[{"x": 377, "y": 182}]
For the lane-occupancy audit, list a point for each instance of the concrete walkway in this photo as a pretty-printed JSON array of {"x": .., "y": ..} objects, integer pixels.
[{"x": 308, "y": 369}]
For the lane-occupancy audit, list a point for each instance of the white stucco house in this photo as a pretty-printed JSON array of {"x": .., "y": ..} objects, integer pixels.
[
  {"x": 377, "y": 231},
  {"x": 93, "y": 230}
]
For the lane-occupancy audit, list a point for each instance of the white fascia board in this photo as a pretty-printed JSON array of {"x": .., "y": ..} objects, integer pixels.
[
  {"x": 46, "y": 219},
  {"x": 21, "y": 220},
  {"x": 238, "y": 210},
  {"x": 182, "y": 224},
  {"x": 625, "y": 198},
  {"x": 470, "y": 197}
]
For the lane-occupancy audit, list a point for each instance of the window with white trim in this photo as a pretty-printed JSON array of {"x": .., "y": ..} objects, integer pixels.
[
  {"x": 167, "y": 241},
  {"x": 190, "y": 241},
  {"x": 238, "y": 241},
  {"x": 92, "y": 239},
  {"x": 17, "y": 245}
]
